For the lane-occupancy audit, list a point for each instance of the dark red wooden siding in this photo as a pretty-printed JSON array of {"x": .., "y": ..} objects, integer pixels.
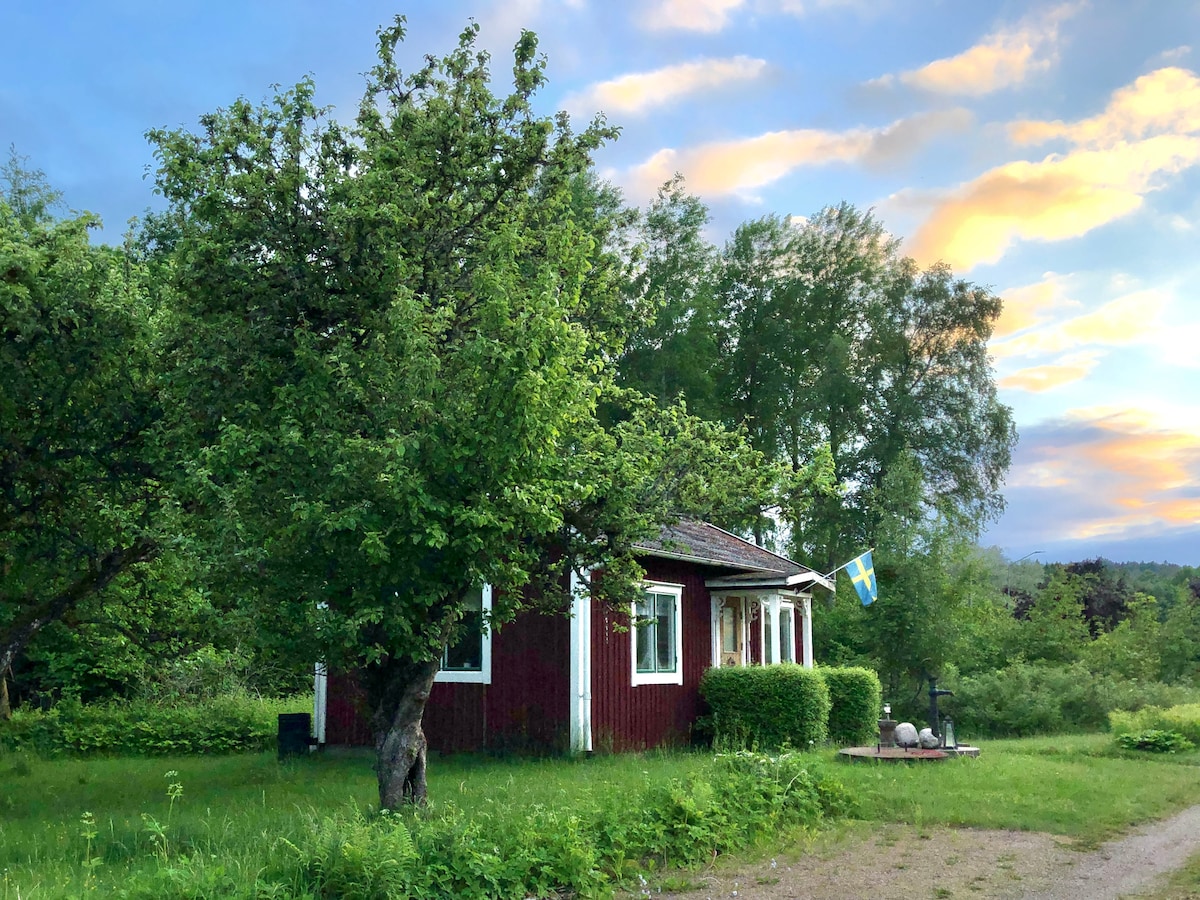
[
  {"x": 346, "y": 716},
  {"x": 527, "y": 701},
  {"x": 525, "y": 706},
  {"x": 625, "y": 717}
]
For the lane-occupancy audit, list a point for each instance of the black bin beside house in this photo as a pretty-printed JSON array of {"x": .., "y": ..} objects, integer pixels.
[{"x": 295, "y": 734}]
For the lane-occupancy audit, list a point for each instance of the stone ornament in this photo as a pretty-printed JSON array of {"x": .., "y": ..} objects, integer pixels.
[{"x": 906, "y": 734}]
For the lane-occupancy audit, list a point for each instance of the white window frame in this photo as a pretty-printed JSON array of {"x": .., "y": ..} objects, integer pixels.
[
  {"x": 484, "y": 673},
  {"x": 676, "y": 677},
  {"x": 768, "y": 624}
]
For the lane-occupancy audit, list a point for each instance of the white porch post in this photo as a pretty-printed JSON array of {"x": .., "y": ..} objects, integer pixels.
[
  {"x": 772, "y": 626},
  {"x": 580, "y": 713},
  {"x": 806, "y": 626}
]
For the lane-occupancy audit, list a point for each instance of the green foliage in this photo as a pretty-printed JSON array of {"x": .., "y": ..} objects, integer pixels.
[
  {"x": 357, "y": 858},
  {"x": 742, "y": 798},
  {"x": 518, "y": 850},
  {"x": 249, "y": 827},
  {"x": 1132, "y": 649},
  {"x": 767, "y": 706},
  {"x": 1028, "y": 699},
  {"x": 1155, "y": 741},
  {"x": 227, "y": 724},
  {"x": 388, "y": 348},
  {"x": 856, "y": 698},
  {"x": 1183, "y": 719},
  {"x": 80, "y": 504}
]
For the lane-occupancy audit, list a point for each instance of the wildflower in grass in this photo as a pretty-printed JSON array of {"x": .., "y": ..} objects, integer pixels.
[
  {"x": 88, "y": 831},
  {"x": 174, "y": 792}
]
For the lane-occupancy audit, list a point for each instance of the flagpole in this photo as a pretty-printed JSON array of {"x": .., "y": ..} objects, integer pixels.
[{"x": 843, "y": 565}]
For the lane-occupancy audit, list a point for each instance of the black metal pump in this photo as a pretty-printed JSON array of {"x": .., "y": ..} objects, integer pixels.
[{"x": 934, "y": 693}]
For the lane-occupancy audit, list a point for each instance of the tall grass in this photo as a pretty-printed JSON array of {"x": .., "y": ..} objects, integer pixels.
[{"x": 239, "y": 816}]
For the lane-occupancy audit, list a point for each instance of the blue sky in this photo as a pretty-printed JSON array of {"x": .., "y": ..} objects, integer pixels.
[{"x": 1049, "y": 150}]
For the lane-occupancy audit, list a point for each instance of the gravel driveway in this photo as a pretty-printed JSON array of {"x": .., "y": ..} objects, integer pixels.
[{"x": 907, "y": 863}]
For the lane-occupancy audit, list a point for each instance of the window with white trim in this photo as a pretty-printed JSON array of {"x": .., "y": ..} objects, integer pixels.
[
  {"x": 469, "y": 659},
  {"x": 657, "y": 635},
  {"x": 785, "y": 625}
]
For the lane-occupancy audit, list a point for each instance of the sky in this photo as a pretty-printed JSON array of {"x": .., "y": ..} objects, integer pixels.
[{"x": 1047, "y": 150}]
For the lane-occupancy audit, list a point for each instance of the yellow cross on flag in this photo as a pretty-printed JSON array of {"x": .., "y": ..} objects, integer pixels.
[{"x": 862, "y": 575}]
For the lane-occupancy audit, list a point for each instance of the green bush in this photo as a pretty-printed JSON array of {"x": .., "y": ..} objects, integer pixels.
[
  {"x": 1029, "y": 699},
  {"x": 855, "y": 698},
  {"x": 441, "y": 853},
  {"x": 1183, "y": 720},
  {"x": 742, "y": 798},
  {"x": 230, "y": 724},
  {"x": 1155, "y": 741},
  {"x": 767, "y": 706}
]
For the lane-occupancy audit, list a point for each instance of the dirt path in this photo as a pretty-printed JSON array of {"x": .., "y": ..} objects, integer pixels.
[{"x": 906, "y": 863}]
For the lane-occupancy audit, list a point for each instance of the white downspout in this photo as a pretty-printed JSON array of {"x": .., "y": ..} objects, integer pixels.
[
  {"x": 320, "y": 699},
  {"x": 580, "y": 714}
]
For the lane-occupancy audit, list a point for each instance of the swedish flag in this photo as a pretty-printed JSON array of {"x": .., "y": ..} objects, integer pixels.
[{"x": 862, "y": 576}]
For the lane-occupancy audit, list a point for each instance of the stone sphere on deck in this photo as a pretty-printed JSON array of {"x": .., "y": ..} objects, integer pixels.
[
  {"x": 906, "y": 734},
  {"x": 928, "y": 739}
]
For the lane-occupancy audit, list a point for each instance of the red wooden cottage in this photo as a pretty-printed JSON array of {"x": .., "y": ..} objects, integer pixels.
[{"x": 581, "y": 683}]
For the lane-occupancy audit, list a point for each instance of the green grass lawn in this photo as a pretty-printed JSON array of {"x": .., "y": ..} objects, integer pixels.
[
  {"x": 238, "y": 810},
  {"x": 1075, "y": 785}
]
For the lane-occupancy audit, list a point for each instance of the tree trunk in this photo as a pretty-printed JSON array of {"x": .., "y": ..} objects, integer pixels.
[
  {"x": 5, "y": 708},
  {"x": 402, "y": 688}
]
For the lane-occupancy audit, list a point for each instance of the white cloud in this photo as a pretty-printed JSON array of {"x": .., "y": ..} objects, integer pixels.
[
  {"x": 711, "y": 16},
  {"x": 1005, "y": 58},
  {"x": 744, "y": 165},
  {"x": 640, "y": 91},
  {"x": 690, "y": 15},
  {"x": 1134, "y": 318}
]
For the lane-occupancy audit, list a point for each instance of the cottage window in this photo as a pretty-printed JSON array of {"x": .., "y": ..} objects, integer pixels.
[
  {"x": 779, "y": 618},
  {"x": 469, "y": 659},
  {"x": 657, "y": 635}
]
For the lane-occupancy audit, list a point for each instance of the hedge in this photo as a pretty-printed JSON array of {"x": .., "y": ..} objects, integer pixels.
[
  {"x": 229, "y": 724},
  {"x": 855, "y": 696},
  {"x": 767, "y": 706}
]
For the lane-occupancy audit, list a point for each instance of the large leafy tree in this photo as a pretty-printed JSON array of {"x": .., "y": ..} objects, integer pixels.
[
  {"x": 835, "y": 351},
  {"x": 80, "y": 504},
  {"x": 389, "y": 348}
]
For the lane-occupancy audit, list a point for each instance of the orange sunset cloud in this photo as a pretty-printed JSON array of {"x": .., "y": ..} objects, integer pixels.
[
  {"x": 738, "y": 166},
  {"x": 1149, "y": 132},
  {"x": 1130, "y": 319},
  {"x": 1130, "y": 469},
  {"x": 1066, "y": 370},
  {"x": 1006, "y": 57}
]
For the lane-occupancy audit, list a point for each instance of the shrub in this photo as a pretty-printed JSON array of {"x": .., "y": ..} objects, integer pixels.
[
  {"x": 230, "y": 724},
  {"x": 1155, "y": 741},
  {"x": 1028, "y": 699},
  {"x": 855, "y": 698},
  {"x": 767, "y": 706},
  {"x": 541, "y": 852},
  {"x": 741, "y": 798},
  {"x": 1183, "y": 720}
]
